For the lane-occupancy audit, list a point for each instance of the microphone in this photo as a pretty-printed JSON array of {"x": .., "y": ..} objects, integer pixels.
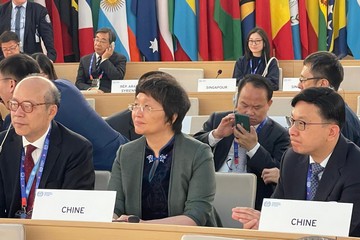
[{"x": 218, "y": 73}]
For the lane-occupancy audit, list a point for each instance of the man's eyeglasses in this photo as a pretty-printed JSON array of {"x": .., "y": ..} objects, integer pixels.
[
  {"x": 301, "y": 79},
  {"x": 27, "y": 107},
  {"x": 134, "y": 107},
  {"x": 10, "y": 49},
  {"x": 96, "y": 40},
  {"x": 300, "y": 124},
  {"x": 254, "y": 42}
]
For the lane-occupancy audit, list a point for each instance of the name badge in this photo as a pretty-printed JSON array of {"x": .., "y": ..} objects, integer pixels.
[
  {"x": 217, "y": 85},
  {"x": 308, "y": 217},
  {"x": 74, "y": 205},
  {"x": 123, "y": 86},
  {"x": 291, "y": 84}
]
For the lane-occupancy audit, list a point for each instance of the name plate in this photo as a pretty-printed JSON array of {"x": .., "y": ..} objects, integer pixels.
[
  {"x": 309, "y": 217},
  {"x": 217, "y": 85},
  {"x": 290, "y": 84},
  {"x": 74, "y": 205},
  {"x": 123, "y": 86}
]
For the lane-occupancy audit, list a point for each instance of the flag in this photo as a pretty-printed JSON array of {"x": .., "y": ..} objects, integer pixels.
[
  {"x": 322, "y": 30},
  {"x": 131, "y": 21},
  {"x": 330, "y": 25},
  {"x": 165, "y": 37},
  {"x": 263, "y": 19},
  {"x": 227, "y": 15},
  {"x": 185, "y": 27},
  {"x": 86, "y": 31},
  {"x": 147, "y": 38},
  {"x": 353, "y": 19},
  {"x": 247, "y": 13},
  {"x": 210, "y": 36},
  {"x": 281, "y": 29},
  {"x": 95, "y": 7},
  {"x": 112, "y": 14},
  {"x": 305, "y": 28},
  {"x": 295, "y": 27},
  {"x": 340, "y": 45}
]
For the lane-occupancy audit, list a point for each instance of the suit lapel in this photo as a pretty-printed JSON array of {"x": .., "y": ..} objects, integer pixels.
[
  {"x": 16, "y": 149},
  {"x": 299, "y": 174},
  {"x": 8, "y": 16}
]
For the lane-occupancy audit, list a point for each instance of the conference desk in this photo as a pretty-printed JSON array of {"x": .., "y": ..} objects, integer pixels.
[{"x": 56, "y": 230}]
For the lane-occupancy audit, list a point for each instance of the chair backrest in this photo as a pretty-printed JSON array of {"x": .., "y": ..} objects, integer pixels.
[
  {"x": 351, "y": 76},
  {"x": 281, "y": 106},
  {"x": 280, "y": 79},
  {"x": 205, "y": 237},
  {"x": 12, "y": 231},
  {"x": 358, "y": 106},
  {"x": 233, "y": 190},
  {"x": 91, "y": 102},
  {"x": 102, "y": 179},
  {"x": 194, "y": 108},
  {"x": 193, "y": 124},
  {"x": 187, "y": 77}
]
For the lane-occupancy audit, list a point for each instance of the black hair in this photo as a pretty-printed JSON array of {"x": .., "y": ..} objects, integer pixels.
[
  {"x": 112, "y": 36},
  {"x": 256, "y": 81},
  {"x": 46, "y": 65},
  {"x": 18, "y": 66},
  {"x": 8, "y": 36}
]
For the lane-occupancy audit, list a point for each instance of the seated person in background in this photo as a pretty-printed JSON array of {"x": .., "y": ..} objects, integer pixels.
[
  {"x": 259, "y": 149},
  {"x": 316, "y": 140},
  {"x": 323, "y": 69},
  {"x": 97, "y": 70},
  {"x": 10, "y": 44},
  {"x": 122, "y": 121},
  {"x": 255, "y": 61},
  {"x": 76, "y": 114},
  {"x": 61, "y": 157},
  {"x": 165, "y": 176}
]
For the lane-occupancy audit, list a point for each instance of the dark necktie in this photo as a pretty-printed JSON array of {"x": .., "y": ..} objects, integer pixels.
[
  {"x": 316, "y": 169},
  {"x": 29, "y": 165},
  {"x": 97, "y": 66},
  {"x": 17, "y": 20}
]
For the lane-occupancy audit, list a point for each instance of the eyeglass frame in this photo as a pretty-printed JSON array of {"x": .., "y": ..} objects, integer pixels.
[
  {"x": 301, "y": 79},
  {"x": 291, "y": 122},
  {"x": 10, "y": 49},
  {"x": 12, "y": 102},
  {"x": 134, "y": 107},
  {"x": 255, "y": 42}
]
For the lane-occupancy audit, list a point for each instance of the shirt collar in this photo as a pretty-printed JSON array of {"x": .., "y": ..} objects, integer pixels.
[
  {"x": 38, "y": 143},
  {"x": 14, "y": 6},
  {"x": 323, "y": 163}
]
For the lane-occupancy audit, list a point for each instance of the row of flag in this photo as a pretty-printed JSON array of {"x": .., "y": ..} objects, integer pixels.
[{"x": 191, "y": 30}]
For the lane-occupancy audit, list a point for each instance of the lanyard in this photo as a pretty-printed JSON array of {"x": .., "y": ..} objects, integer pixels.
[
  {"x": 251, "y": 66},
  {"x": 308, "y": 183},
  {"x": 37, "y": 170},
  {"x": 236, "y": 145},
  {"x": 90, "y": 68}
]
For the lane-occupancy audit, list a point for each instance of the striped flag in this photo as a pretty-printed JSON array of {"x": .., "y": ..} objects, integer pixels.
[
  {"x": 135, "y": 55},
  {"x": 340, "y": 45},
  {"x": 304, "y": 28},
  {"x": 165, "y": 37},
  {"x": 295, "y": 27},
  {"x": 247, "y": 13},
  {"x": 322, "y": 28},
  {"x": 353, "y": 20},
  {"x": 112, "y": 14},
  {"x": 330, "y": 25},
  {"x": 86, "y": 30},
  {"x": 312, "y": 12}
]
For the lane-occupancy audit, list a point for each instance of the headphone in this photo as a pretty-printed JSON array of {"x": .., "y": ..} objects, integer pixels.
[{"x": 6, "y": 134}]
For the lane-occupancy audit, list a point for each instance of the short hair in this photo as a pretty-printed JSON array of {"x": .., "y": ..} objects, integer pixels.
[
  {"x": 112, "y": 36},
  {"x": 8, "y": 36},
  {"x": 256, "y": 81},
  {"x": 326, "y": 65},
  {"x": 331, "y": 105},
  {"x": 46, "y": 65},
  {"x": 18, "y": 66},
  {"x": 151, "y": 74},
  {"x": 168, "y": 92},
  {"x": 266, "y": 49}
]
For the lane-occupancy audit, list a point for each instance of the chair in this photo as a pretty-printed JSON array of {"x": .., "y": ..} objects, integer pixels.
[
  {"x": 193, "y": 124},
  {"x": 187, "y": 77},
  {"x": 194, "y": 108},
  {"x": 102, "y": 179},
  {"x": 358, "y": 107},
  {"x": 351, "y": 75},
  {"x": 12, "y": 231},
  {"x": 233, "y": 190},
  {"x": 280, "y": 79},
  {"x": 281, "y": 106},
  {"x": 205, "y": 237},
  {"x": 91, "y": 102}
]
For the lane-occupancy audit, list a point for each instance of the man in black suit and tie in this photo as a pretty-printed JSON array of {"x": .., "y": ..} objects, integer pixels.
[
  {"x": 261, "y": 148},
  {"x": 31, "y": 22},
  {"x": 60, "y": 158},
  {"x": 97, "y": 70},
  {"x": 316, "y": 139}
]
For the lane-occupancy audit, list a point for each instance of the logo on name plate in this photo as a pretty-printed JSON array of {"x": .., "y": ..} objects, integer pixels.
[{"x": 271, "y": 204}]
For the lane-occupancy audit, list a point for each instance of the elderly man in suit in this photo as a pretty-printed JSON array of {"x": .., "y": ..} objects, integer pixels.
[
  {"x": 39, "y": 152},
  {"x": 235, "y": 149},
  {"x": 97, "y": 70},
  {"x": 320, "y": 158},
  {"x": 33, "y": 25}
]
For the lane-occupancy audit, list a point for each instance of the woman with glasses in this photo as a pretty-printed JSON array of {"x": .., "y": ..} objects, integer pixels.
[
  {"x": 165, "y": 176},
  {"x": 257, "y": 59}
]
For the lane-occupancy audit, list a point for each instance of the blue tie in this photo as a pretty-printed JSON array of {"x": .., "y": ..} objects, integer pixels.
[
  {"x": 316, "y": 169},
  {"x": 17, "y": 20}
]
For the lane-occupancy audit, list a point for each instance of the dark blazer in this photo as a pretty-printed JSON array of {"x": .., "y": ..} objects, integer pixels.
[
  {"x": 351, "y": 128},
  {"x": 273, "y": 139},
  {"x": 68, "y": 166},
  {"x": 37, "y": 25},
  {"x": 122, "y": 122},
  {"x": 114, "y": 69},
  {"x": 340, "y": 181}
]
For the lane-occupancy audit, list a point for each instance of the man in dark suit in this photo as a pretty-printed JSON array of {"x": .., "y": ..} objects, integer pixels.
[
  {"x": 263, "y": 145},
  {"x": 10, "y": 44},
  {"x": 34, "y": 25},
  {"x": 61, "y": 159},
  {"x": 316, "y": 139},
  {"x": 97, "y": 70}
]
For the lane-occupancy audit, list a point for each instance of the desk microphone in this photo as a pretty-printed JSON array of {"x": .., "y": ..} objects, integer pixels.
[{"x": 218, "y": 73}]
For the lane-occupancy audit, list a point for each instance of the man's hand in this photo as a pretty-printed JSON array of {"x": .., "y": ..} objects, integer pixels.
[
  {"x": 249, "y": 217},
  {"x": 226, "y": 127},
  {"x": 108, "y": 52},
  {"x": 246, "y": 139},
  {"x": 270, "y": 175}
]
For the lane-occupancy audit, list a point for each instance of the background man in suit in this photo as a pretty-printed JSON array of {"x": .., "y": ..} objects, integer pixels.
[
  {"x": 316, "y": 139},
  {"x": 34, "y": 25},
  {"x": 323, "y": 69},
  {"x": 97, "y": 70},
  {"x": 61, "y": 159},
  {"x": 263, "y": 145},
  {"x": 10, "y": 44}
]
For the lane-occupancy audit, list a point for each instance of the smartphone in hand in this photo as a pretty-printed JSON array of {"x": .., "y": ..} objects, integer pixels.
[{"x": 243, "y": 120}]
